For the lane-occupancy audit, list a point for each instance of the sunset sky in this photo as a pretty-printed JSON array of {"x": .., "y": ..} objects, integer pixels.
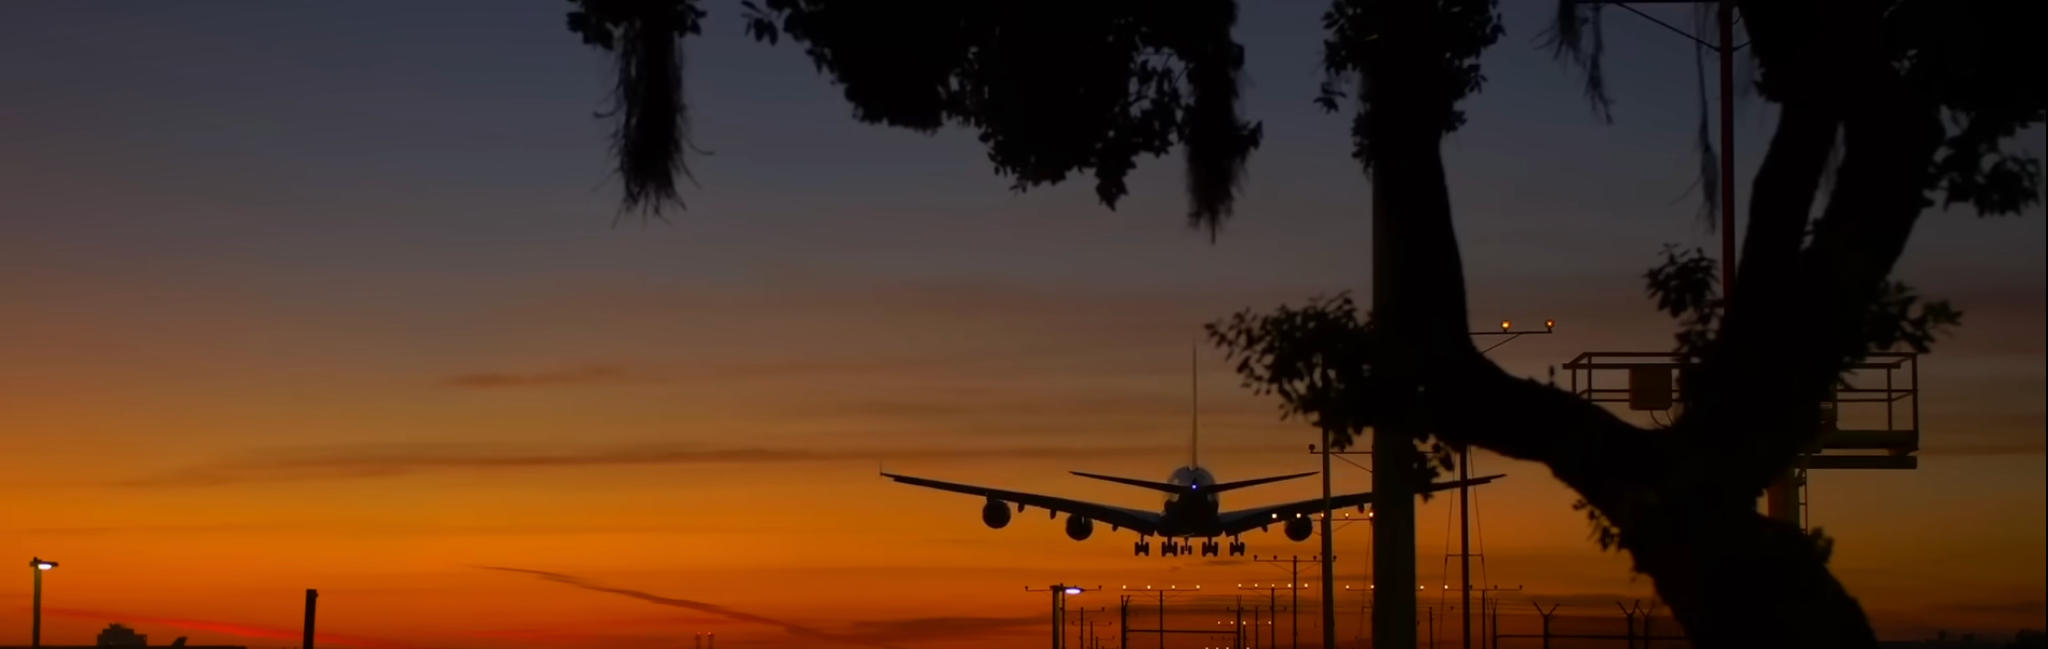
[{"x": 332, "y": 296}]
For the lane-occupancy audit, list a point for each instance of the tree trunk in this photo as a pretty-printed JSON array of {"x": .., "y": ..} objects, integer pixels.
[
  {"x": 1682, "y": 501},
  {"x": 1735, "y": 578}
]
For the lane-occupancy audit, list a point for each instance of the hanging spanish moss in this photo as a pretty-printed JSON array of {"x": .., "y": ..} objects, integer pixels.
[
  {"x": 1709, "y": 182},
  {"x": 1575, "y": 35},
  {"x": 1217, "y": 140},
  {"x": 653, "y": 124}
]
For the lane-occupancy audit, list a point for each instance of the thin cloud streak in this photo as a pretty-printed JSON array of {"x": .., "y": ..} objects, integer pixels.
[
  {"x": 357, "y": 462},
  {"x": 702, "y": 607},
  {"x": 929, "y": 628},
  {"x": 585, "y": 375}
]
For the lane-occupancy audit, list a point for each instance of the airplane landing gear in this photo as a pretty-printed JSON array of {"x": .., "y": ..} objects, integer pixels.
[
  {"x": 1141, "y": 548},
  {"x": 1236, "y": 548},
  {"x": 1210, "y": 548},
  {"x": 1169, "y": 548}
]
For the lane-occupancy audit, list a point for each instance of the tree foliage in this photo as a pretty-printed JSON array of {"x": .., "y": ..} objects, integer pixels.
[
  {"x": 1902, "y": 104},
  {"x": 1970, "y": 57},
  {"x": 1053, "y": 88},
  {"x": 1685, "y": 286},
  {"x": 1358, "y": 31}
]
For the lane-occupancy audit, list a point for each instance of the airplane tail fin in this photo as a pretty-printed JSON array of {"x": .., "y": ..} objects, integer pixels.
[{"x": 1194, "y": 409}]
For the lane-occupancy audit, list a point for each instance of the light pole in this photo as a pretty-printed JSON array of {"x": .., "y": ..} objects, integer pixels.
[
  {"x": 35, "y": 633},
  {"x": 1059, "y": 608}
]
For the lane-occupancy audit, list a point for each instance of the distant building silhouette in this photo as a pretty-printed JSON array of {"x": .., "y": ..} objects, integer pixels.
[
  {"x": 119, "y": 635},
  {"x": 116, "y": 635}
]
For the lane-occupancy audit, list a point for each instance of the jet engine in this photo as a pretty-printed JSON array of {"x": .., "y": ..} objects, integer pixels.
[
  {"x": 1079, "y": 527},
  {"x": 995, "y": 514},
  {"x": 1298, "y": 529}
]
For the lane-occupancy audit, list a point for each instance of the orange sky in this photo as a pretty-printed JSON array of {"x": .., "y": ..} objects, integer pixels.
[
  {"x": 297, "y": 295},
  {"x": 198, "y": 492}
]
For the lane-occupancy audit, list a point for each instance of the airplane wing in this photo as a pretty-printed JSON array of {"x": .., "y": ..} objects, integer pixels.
[
  {"x": 1143, "y": 522},
  {"x": 1244, "y": 520}
]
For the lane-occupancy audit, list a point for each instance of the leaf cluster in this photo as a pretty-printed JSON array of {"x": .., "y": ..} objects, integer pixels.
[{"x": 1053, "y": 87}]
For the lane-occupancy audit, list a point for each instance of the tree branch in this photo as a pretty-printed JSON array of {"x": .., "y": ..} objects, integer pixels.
[
  {"x": 1607, "y": 460},
  {"x": 1798, "y": 316}
]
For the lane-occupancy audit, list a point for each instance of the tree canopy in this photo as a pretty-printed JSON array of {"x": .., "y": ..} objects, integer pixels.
[{"x": 1885, "y": 109}]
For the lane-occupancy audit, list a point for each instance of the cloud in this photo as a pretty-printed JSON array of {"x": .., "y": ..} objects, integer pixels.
[
  {"x": 397, "y": 460},
  {"x": 702, "y": 607},
  {"x": 230, "y": 628},
  {"x": 930, "y": 628},
  {"x": 582, "y": 375}
]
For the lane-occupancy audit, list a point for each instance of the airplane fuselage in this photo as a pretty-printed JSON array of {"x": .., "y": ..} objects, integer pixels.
[{"x": 1191, "y": 514}]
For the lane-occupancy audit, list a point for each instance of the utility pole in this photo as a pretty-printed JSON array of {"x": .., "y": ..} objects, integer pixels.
[
  {"x": 1294, "y": 587},
  {"x": 1083, "y": 629},
  {"x": 1432, "y": 628},
  {"x": 312, "y": 605},
  {"x": 1507, "y": 328},
  {"x": 1329, "y": 570},
  {"x": 1080, "y": 625},
  {"x": 1272, "y": 599},
  {"x": 1239, "y": 642},
  {"x": 1496, "y": 611},
  {"x": 1123, "y": 622},
  {"x": 1465, "y": 546},
  {"x": 1255, "y": 626}
]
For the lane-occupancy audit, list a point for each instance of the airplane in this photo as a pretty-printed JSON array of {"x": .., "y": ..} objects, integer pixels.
[{"x": 1192, "y": 508}]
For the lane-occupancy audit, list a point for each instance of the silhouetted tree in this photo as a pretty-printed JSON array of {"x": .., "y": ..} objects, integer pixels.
[
  {"x": 1909, "y": 101},
  {"x": 1812, "y": 291},
  {"x": 1054, "y": 88}
]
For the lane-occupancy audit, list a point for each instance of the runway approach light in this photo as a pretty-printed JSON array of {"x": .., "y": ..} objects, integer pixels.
[
  {"x": 1549, "y": 325},
  {"x": 1073, "y": 590},
  {"x": 40, "y": 564},
  {"x": 1504, "y": 325}
]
